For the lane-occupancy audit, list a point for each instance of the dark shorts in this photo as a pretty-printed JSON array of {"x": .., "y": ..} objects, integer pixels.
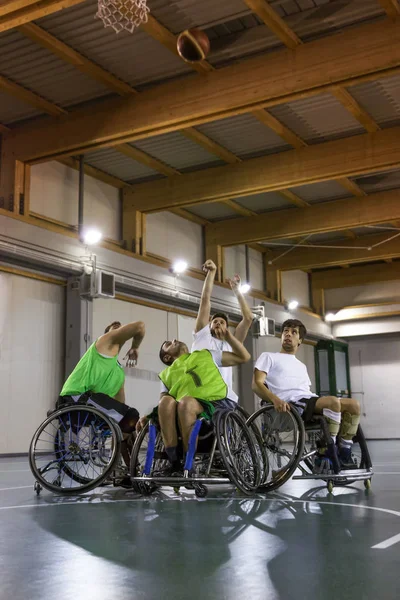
[
  {"x": 105, "y": 404},
  {"x": 306, "y": 408},
  {"x": 211, "y": 407}
]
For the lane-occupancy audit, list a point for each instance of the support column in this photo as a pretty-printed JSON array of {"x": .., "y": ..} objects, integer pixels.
[
  {"x": 78, "y": 325},
  {"x": 133, "y": 227},
  {"x": 246, "y": 395},
  {"x": 273, "y": 282},
  {"x": 318, "y": 300},
  {"x": 12, "y": 181},
  {"x": 215, "y": 253}
]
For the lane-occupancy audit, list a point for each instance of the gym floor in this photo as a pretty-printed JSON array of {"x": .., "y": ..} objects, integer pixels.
[{"x": 299, "y": 542}]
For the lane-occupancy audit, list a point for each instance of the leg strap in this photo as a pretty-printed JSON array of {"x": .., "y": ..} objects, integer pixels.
[{"x": 349, "y": 426}]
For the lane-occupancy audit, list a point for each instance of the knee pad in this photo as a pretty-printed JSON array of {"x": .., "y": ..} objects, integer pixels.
[
  {"x": 129, "y": 420},
  {"x": 333, "y": 419},
  {"x": 349, "y": 425}
]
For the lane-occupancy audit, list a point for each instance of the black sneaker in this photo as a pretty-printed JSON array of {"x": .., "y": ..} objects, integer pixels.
[{"x": 346, "y": 458}]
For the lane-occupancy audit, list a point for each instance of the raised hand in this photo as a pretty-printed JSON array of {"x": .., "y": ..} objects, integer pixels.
[
  {"x": 209, "y": 265},
  {"x": 131, "y": 357},
  {"x": 235, "y": 283}
]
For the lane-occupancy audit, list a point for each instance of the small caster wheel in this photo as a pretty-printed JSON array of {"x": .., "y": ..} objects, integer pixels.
[
  {"x": 330, "y": 486},
  {"x": 367, "y": 484},
  {"x": 200, "y": 490},
  {"x": 177, "y": 489},
  {"x": 37, "y": 488}
]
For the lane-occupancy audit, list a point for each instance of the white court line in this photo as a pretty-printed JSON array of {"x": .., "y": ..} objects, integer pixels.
[
  {"x": 20, "y": 487},
  {"x": 16, "y": 471},
  {"x": 387, "y": 543}
]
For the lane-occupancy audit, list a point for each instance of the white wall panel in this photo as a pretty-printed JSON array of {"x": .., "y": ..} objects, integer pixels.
[
  {"x": 385, "y": 291},
  {"x": 174, "y": 238},
  {"x": 295, "y": 287},
  {"x": 235, "y": 262},
  {"x": 142, "y": 386},
  {"x": 54, "y": 194},
  {"x": 375, "y": 382},
  {"x": 31, "y": 357}
]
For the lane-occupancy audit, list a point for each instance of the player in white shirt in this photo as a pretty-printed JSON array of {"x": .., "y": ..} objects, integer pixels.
[
  {"x": 289, "y": 384},
  {"x": 207, "y": 330}
]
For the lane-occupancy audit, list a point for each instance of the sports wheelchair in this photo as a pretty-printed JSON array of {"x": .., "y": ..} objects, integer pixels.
[
  {"x": 228, "y": 452},
  {"x": 290, "y": 445},
  {"x": 76, "y": 449}
]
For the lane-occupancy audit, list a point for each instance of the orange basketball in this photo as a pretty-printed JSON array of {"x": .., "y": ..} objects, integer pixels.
[{"x": 193, "y": 45}]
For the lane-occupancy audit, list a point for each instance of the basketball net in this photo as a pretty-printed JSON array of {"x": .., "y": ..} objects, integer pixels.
[{"x": 123, "y": 14}]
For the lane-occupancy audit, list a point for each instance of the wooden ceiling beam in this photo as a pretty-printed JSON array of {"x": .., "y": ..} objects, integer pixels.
[
  {"x": 305, "y": 258},
  {"x": 274, "y": 22},
  {"x": 258, "y": 82},
  {"x": 146, "y": 159},
  {"x": 25, "y": 95},
  {"x": 319, "y": 218},
  {"x": 351, "y": 104},
  {"x": 73, "y": 163},
  {"x": 279, "y": 128},
  {"x": 68, "y": 54},
  {"x": 391, "y": 7},
  {"x": 360, "y": 275},
  {"x": 17, "y": 12},
  {"x": 208, "y": 144},
  {"x": 357, "y": 155}
]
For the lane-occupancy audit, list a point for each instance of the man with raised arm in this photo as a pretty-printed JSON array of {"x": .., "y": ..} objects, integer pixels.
[
  {"x": 99, "y": 377},
  {"x": 209, "y": 333},
  {"x": 192, "y": 385}
]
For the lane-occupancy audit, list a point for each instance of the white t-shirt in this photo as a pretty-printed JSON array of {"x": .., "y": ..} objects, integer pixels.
[
  {"x": 286, "y": 376},
  {"x": 217, "y": 356},
  {"x": 204, "y": 340}
]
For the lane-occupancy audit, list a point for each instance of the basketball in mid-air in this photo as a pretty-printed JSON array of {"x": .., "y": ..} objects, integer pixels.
[{"x": 193, "y": 45}]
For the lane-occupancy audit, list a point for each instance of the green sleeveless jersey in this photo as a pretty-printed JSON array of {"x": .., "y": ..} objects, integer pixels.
[
  {"x": 195, "y": 375},
  {"x": 95, "y": 372}
]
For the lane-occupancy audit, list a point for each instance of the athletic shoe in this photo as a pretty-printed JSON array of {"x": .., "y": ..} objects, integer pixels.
[
  {"x": 327, "y": 460},
  {"x": 346, "y": 458}
]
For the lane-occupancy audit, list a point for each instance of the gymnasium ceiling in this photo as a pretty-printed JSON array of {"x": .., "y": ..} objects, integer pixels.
[{"x": 66, "y": 62}]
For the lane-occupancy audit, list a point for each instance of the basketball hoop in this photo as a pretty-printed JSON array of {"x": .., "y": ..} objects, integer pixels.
[{"x": 123, "y": 14}]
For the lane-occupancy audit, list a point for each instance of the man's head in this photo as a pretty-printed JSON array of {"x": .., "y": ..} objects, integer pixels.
[
  {"x": 113, "y": 325},
  {"x": 293, "y": 333},
  {"x": 219, "y": 322},
  {"x": 170, "y": 351}
]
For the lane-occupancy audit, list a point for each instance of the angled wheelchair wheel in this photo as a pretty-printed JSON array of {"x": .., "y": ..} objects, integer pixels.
[
  {"x": 282, "y": 436},
  {"x": 138, "y": 460},
  {"x": 238, "y": 451},
  {"x": 74, "y": 450}
]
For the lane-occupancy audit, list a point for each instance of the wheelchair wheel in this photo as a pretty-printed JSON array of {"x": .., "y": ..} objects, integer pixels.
[
  {"x": 74, "y": 450},
  {"x": 282, "y": 437},
  {"x": 238, "y": 451},
  {"x": 138, "y": 459}
]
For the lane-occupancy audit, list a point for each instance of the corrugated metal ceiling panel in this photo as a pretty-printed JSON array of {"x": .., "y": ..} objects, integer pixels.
[
  {"x": 178, "y": 15},
  {"x": 177, "y": 151},
  {"x": 381, "y": 99},
  {"x": 378, "y": 182},
  {"x": 321, "y": 192},
  {"x": 244, "y": 135},
  {"x": 12, "y": 109},
  {"x": 119, "y": 165},
  {"x": 133, "y": 57},
  {"x": 264, "y": 202},
  {"x": 213, "y": 211},
  {"x": 37, "y": 69},
  {"x": 317, "y": 119}
]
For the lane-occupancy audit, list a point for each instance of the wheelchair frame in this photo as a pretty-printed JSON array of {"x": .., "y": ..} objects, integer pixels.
[{"x": 145, "y": 483}]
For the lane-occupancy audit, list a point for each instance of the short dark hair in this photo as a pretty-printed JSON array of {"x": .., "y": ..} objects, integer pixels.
[
  {"x": 296, "y": 323},
  {"x": 162, "y": 354},
  {"x": 220, "y": 315},
  {"x": 107, "y": 329}
]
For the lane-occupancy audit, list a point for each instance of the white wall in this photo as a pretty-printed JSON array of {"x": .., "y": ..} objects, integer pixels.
[
  {"x": 385, "y": 291},
  {"x": 235, "y": 262},
  {"x": 295, "y": 287},
  {"x": 174, "y": 238},
  {"x": 142, "y": 386},
  {"x": 54, "y": 194},
  {"x": 374, "y": 370},
  {"x": 31, "y": 357}
]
